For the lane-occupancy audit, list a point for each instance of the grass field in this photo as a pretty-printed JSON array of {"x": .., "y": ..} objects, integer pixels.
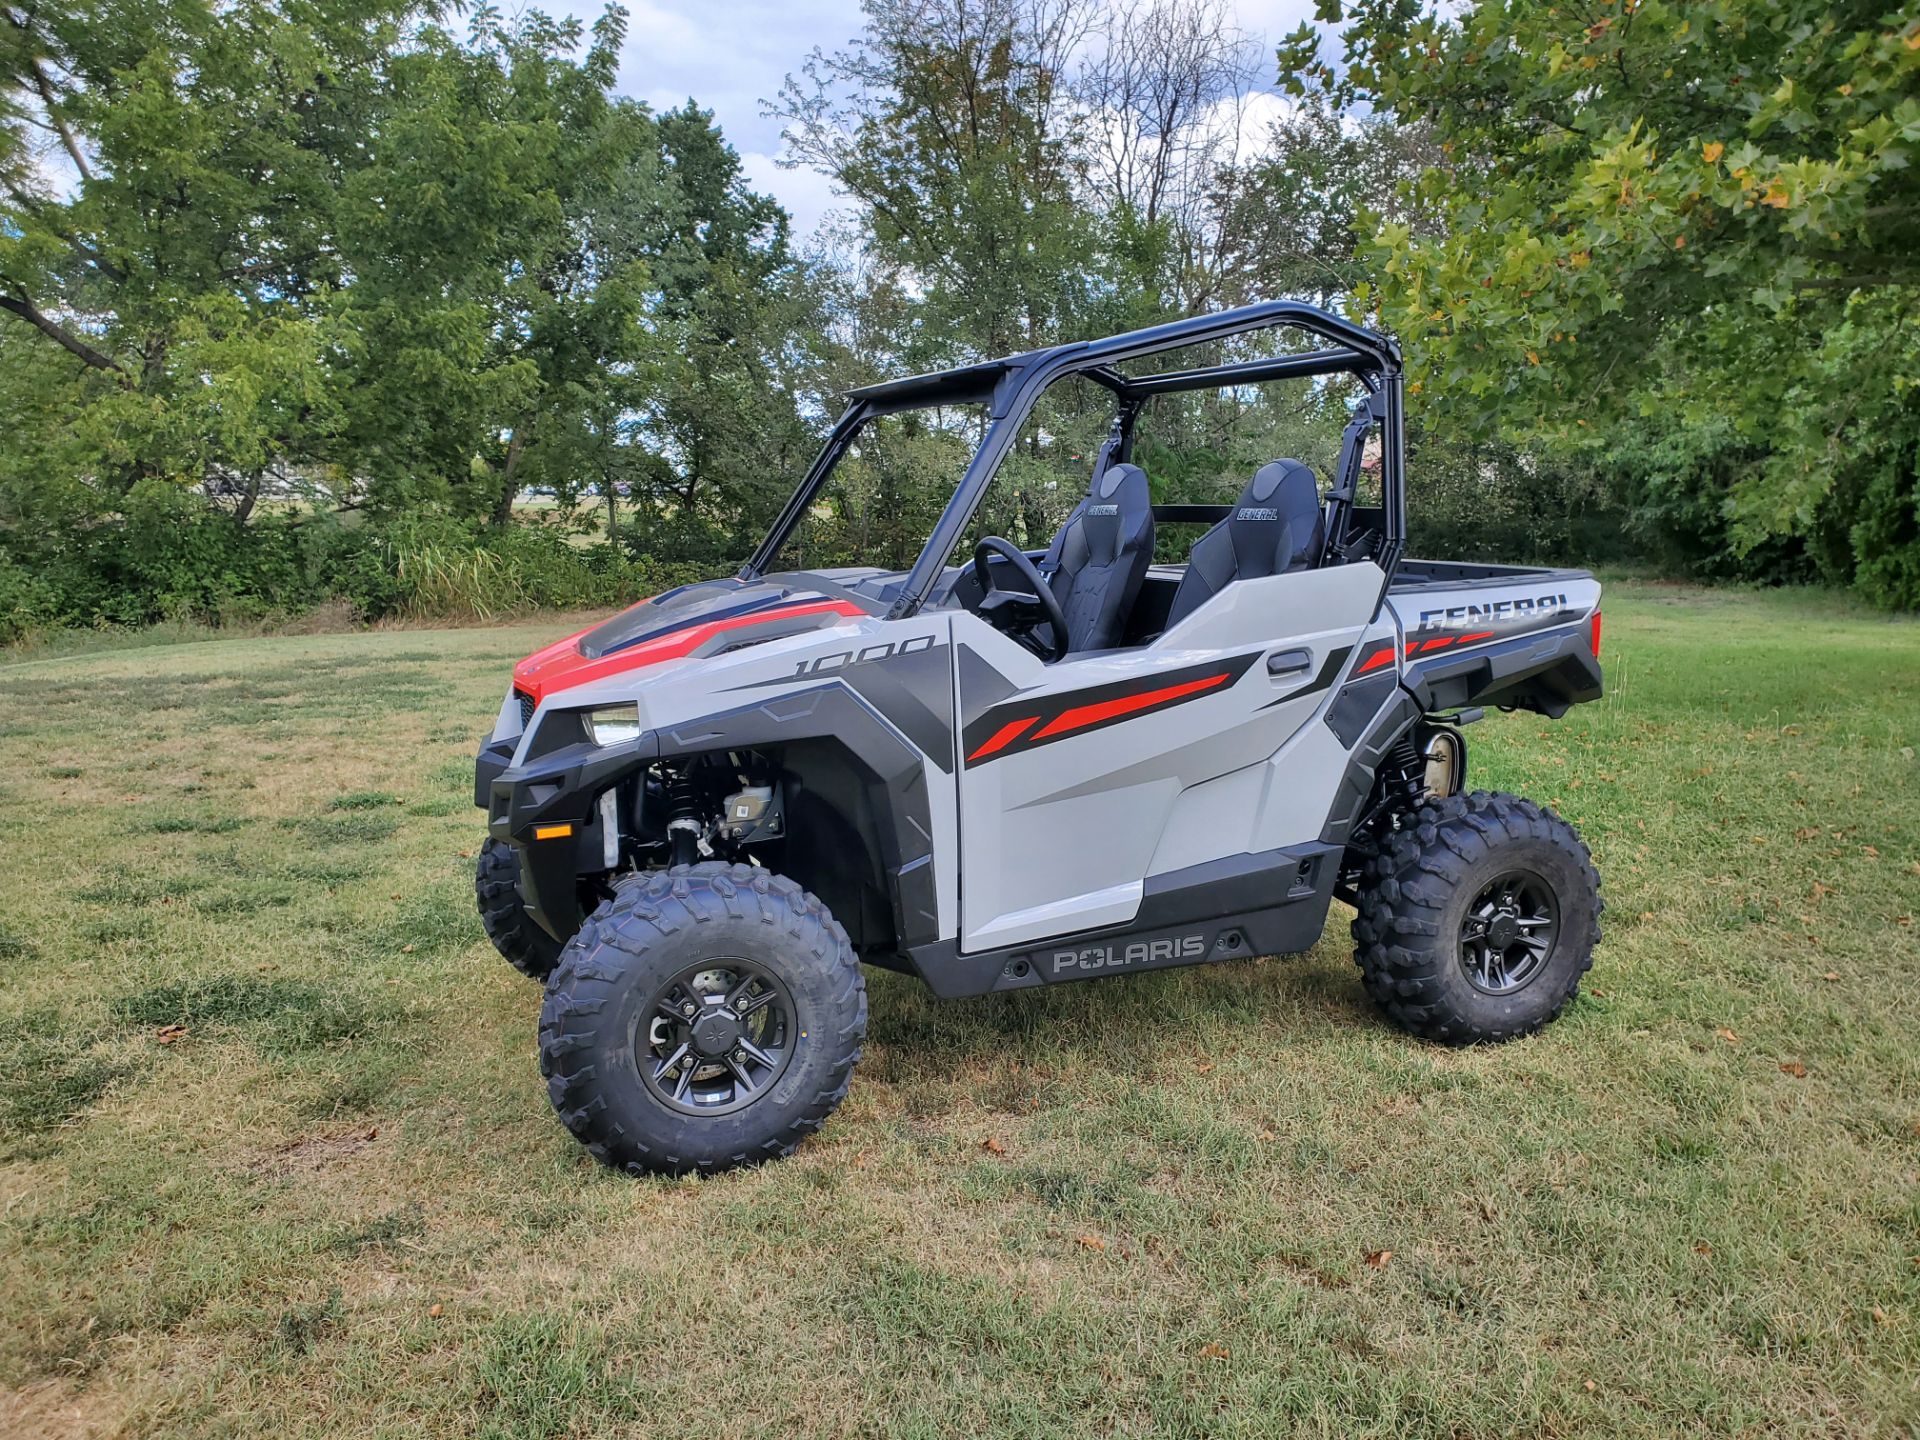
[{"x": 275, "y": 1159}]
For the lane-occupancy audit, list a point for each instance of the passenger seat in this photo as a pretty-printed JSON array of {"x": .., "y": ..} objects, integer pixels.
[{"x": 1276, "y": 528}]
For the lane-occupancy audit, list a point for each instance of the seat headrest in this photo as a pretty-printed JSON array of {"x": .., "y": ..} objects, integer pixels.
[
  {"x": 1276, "y": 526},
  {"x": 1117, "y": 500}
]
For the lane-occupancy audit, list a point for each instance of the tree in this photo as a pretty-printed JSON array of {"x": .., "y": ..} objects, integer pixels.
[
  {"x": 953, "y": 126},
  {"x": 498, "y": 244},
  {"x": 1698, "y": 217},
  {"x": 728, "y": 418},
  {"x": 167, "y": 246}
]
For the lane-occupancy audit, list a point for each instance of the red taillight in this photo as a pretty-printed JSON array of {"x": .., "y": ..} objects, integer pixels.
[{"x": 1593, "y": 638}]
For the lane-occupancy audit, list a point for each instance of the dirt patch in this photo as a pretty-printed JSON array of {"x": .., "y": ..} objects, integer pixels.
[
  {"x": 49, "y": 1410},
  {"x": 313, "y": 1153}
]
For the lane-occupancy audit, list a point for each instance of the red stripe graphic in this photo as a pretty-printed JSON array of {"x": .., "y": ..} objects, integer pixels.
[
  {"x": 1082, "y": 716},
  {"x": 1376, "y": 660},
  {"x": 1004, "y": 737},
  {"x": 561, "y": 666}
]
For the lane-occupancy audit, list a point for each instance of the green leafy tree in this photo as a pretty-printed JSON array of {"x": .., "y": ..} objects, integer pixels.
[
  {"x": 729, "y": 419},
  {"x": 498, "y": 252},
  {"x": 954, "y": 129},
  {"x": 1698, "y": 218}
]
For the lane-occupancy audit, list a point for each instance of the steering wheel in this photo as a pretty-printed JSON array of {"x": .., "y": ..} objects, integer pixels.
[{"x": 1011, "y": 612}]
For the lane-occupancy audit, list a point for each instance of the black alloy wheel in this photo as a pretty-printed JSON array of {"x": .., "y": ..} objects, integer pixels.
[
  {"x": 719, "y": 1034},
  {"x": 1508, "y": 932}
]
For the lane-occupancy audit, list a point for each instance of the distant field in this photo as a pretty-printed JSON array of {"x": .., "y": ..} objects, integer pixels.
[{"x": 275, "y": 1159}]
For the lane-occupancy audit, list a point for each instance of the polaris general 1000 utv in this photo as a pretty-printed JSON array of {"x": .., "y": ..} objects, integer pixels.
[{"x": 1037, "y": 766}]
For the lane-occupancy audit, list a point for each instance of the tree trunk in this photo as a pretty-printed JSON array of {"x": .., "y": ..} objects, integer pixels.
[
  {"x": 248, "y": 499},
  {"x": 509, "y": 479}
]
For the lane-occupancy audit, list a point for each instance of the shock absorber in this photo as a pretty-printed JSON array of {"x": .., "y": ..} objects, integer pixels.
[
  {"x": 1402, "y": 778},
  {"x": 684, "y": 826}
]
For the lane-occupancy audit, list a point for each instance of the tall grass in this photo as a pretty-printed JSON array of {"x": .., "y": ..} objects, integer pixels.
[{"x": 521, "y": 571}]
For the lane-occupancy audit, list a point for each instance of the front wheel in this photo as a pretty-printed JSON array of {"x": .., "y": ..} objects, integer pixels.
[
  {"x": 1477, "y": 919},
  {"x": 706, "y": 1017},
  {"x": 496, "y": 886}
]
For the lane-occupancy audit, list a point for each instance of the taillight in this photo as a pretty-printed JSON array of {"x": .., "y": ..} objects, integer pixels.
[{"x": 1593, "y": 637}]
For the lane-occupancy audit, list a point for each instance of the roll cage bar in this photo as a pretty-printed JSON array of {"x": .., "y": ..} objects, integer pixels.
[{"x": 1010, "y": 387}]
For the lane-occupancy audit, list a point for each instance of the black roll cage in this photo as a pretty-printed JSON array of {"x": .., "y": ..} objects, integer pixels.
[{"x": 1009, "y": 388}]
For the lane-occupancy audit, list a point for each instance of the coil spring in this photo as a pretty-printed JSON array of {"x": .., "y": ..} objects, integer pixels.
[
  {"x": 1403, "y": 778},
  {"x": 683, "y": 797}
]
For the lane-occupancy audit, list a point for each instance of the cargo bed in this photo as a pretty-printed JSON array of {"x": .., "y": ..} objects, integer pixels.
[{"x": 1515, "y": 636}]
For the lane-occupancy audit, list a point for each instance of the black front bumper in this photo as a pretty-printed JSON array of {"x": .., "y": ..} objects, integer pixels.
[{"x": 559, "y": 788}]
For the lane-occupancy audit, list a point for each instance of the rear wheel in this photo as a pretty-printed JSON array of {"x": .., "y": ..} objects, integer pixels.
[
  {"x": 1477, "y": 919},
  {"x": 705, "y": 1017},
  {"x": 496, "y": 883}
]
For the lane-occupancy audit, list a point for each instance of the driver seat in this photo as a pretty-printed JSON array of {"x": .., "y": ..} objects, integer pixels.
[{"x": 1099, "y": 559}]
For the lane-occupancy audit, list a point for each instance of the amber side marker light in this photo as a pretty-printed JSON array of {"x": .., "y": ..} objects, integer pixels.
[{"x": 552, "y": 832}]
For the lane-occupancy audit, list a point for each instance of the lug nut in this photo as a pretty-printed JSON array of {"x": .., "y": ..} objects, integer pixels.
[{"x": 688, "y": 1009}]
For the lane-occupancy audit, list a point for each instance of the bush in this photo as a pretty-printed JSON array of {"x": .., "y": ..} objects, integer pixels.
[{"x": 173, "y": 555}]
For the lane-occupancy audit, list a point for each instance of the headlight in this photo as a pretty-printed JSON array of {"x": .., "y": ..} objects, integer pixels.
[{"x": 614, "y": 724}]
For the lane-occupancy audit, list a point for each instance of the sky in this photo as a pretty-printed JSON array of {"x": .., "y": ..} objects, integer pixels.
[{"x": 731, "y": 56}]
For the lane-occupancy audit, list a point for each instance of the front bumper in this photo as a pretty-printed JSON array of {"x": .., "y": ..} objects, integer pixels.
[{"x": 561, "y": 787}]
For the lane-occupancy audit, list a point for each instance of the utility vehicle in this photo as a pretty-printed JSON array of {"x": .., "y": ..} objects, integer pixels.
[{"x": 1033, "y": 767}]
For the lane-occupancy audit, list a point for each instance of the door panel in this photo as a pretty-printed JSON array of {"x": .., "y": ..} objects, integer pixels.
[{"x": 1081, "y": 778}]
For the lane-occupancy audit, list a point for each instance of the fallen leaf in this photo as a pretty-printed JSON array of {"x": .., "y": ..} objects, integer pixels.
[
  {"x": 1378, "y": 1258},
  {"x": 1703, "y": 1248},
  {"x": 1820, "y": 892},
  {"x": 1727, "y": 1035},
  {"x": 993, "y": 1146},
  {"x": 373, "y": 1133},
  {"x": 436, "y": 1311},
  {"x": 1880, "y": 1316},
  {"x": 1807, "y": 832},
  {"x": 1266, "y": 1134},
  {"x": 1589, "y": 1386},
  {"x": 1870, "y": 852},
  {"x": 1793, "y": 1068},
  {"x": 406, "y": 949},
  {"x": 167, "y": 1034},
  {"x": 1203, "y": 1067},
  {"x": 1789, "y": 729},
  {"x": 1090, "y": 1242},
  {"x": 1831, "y": 975},
  {"x": 1213, "y": 1350}
]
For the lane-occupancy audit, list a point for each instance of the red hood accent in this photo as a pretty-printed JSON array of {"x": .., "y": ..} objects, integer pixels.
[{"x": 561, "y": 666}]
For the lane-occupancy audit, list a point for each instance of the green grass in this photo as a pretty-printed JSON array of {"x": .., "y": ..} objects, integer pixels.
[{"x": 275, "y": 1158}]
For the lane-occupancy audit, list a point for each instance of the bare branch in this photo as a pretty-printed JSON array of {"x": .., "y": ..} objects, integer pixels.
[
  {"x": 18, "y": 304},
  {"x": 52, "y": 101}
]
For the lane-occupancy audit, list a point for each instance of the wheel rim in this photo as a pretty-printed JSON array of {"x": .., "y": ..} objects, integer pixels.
[
  {"x": 715, "y": 1037},
  {"x": 1509, "y": 932}
]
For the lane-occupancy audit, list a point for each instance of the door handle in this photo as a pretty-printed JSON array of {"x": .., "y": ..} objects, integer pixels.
[{"x": 1285, "y": 664}]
